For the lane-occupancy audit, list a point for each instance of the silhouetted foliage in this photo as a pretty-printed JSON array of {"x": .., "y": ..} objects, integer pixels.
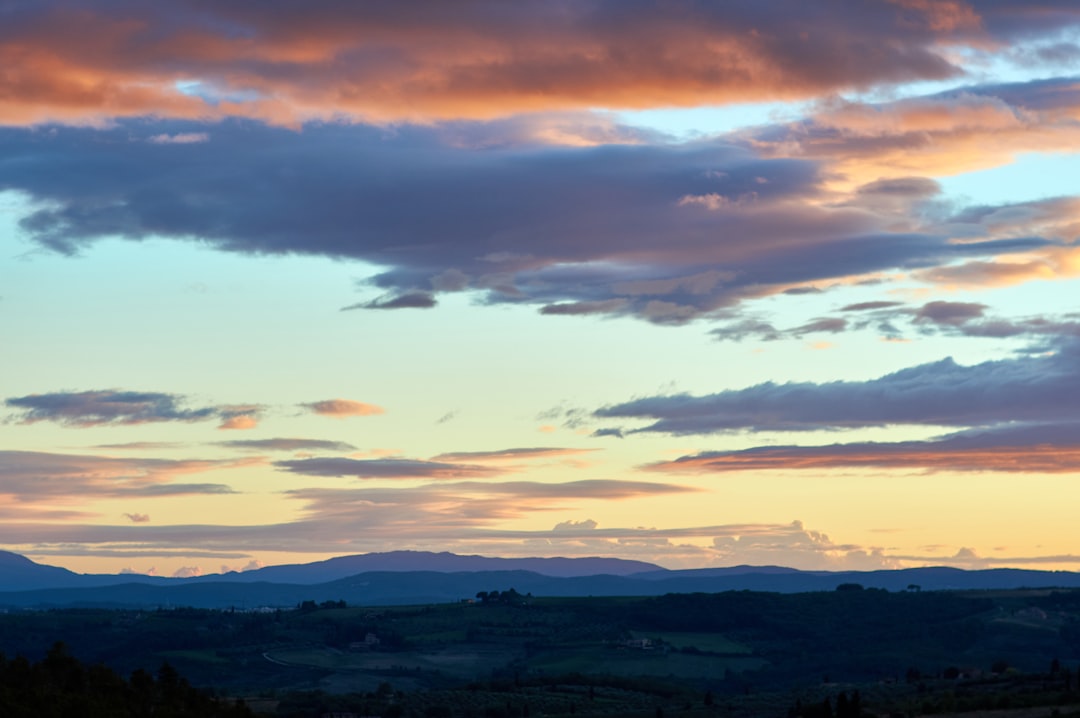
[{"x": 61, "y": 686}]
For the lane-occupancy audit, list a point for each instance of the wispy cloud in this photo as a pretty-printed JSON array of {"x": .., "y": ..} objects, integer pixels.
[
  {"x": 1029, "y": 448},
  {"x": 282, "y": 444},
  {"x": 384, "y": 468},
  {"x": 409, "y": 300},
  {"x": 29, "y": 476},
  {"x": 895, "y": 320},
  {"x": 520, "y": 454},
  {"x": 113, "y": 407},
  {"x": 180, "y": 138},
  {"x": 342, "y": 408}
]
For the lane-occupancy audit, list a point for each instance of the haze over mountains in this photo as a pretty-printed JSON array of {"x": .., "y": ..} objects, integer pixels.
[{"x": 404, "y": 577}]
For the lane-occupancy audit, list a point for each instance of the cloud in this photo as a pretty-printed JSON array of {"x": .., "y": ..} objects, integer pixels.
[
  {"x": 376, "y": 61},
  {"x": 794, "y": 545},
  {"x": 606, "y": 306},
  {"x": 435, "y": 515},
  {"x": 140, "y": 445},
  {"x": 181, "y": 138},
  {"x": 891, "y": 147},
  {"x": 187, "y": 572},
  {"x": 1027, "y": 388},
  {"x": 409, "y": 300},
  {"x": 965, "y": 319},
  {"x": 113, "y": 407},
  {"x": 342, "y": 408},
  {"x": 107, "y": 407},
  {"x": 1028, "y": 448},
  {"x": 595, "y": 230},
  {"x": 30, "y": 476},
  {"x": 512, "y": 454},
  {"x": 832, "y": 325},
  {"x": 138, "y": 518},
  {"x": 870, "y": 306},
  {"x": 287, "y": 445},
  {"x": 586, "y": 525},
  {"x": 949, "y": 313},
  {"x": 241, "y": 422},
  {"x": 384, "y": 468}
]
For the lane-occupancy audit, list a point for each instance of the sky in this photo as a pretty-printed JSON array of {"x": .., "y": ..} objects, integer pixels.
[{"x": 701, "y": 284}]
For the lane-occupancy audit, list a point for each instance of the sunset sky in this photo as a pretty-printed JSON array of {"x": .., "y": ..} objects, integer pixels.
[{"x": 786, "y": 282}]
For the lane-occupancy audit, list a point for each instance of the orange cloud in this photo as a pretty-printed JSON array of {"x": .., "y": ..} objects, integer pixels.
[
  {"x": 941, "y": 15},
  {"x": 391, "y": 62},
  {"x": 341, "y": 408},
  {"x": 932, "y": 136},
  {"x": 1036, "y": 459},
  {"x": 241, "y": 422},
  {"x": 1053, "y": 263}
]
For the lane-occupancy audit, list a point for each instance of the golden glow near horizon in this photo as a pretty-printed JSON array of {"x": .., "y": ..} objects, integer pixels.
[{"x": 710, "y": 288}]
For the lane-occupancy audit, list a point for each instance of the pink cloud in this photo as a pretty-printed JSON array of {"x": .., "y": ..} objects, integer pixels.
[{"x": 343, "y": 408}]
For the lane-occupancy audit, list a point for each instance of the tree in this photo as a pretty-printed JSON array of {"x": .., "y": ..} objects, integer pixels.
[{"x": 842, "y": 706}]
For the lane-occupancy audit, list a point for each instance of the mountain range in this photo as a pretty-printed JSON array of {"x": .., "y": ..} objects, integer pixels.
[{"x": 416, "y": 577}]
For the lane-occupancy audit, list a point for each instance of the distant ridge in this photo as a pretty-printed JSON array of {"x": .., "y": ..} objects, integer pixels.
[
  {"x": 442, "y": 562},
  {"x": 18, "y": 572},
  {"x": 417, "y": 577}
]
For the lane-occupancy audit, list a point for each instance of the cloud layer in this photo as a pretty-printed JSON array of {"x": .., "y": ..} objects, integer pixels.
[
  {"x": 667, "y": 233},
  {"x": 941, "y": 393},
  {"x": 382, "y": 61}
]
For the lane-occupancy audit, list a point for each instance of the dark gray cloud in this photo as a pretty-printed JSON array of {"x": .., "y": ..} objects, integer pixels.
[
  {"x": 870, "y": 306},
  {"x": 1024, "y": 389},
  {"x": 967, "y": 319},
  {"x": 384, "y": 468},
  {"x": 288, "y": 445},
  {"x": 663, "y": 232},
  {"x": 94, "y": 408},
  {"x": 410, "y": 300},
  {"x": 832, "y": 325},
  {"x": 949, "y": 313},
  {"x": 606, "y": 306},
  {"x": 112, "y": 407}
]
